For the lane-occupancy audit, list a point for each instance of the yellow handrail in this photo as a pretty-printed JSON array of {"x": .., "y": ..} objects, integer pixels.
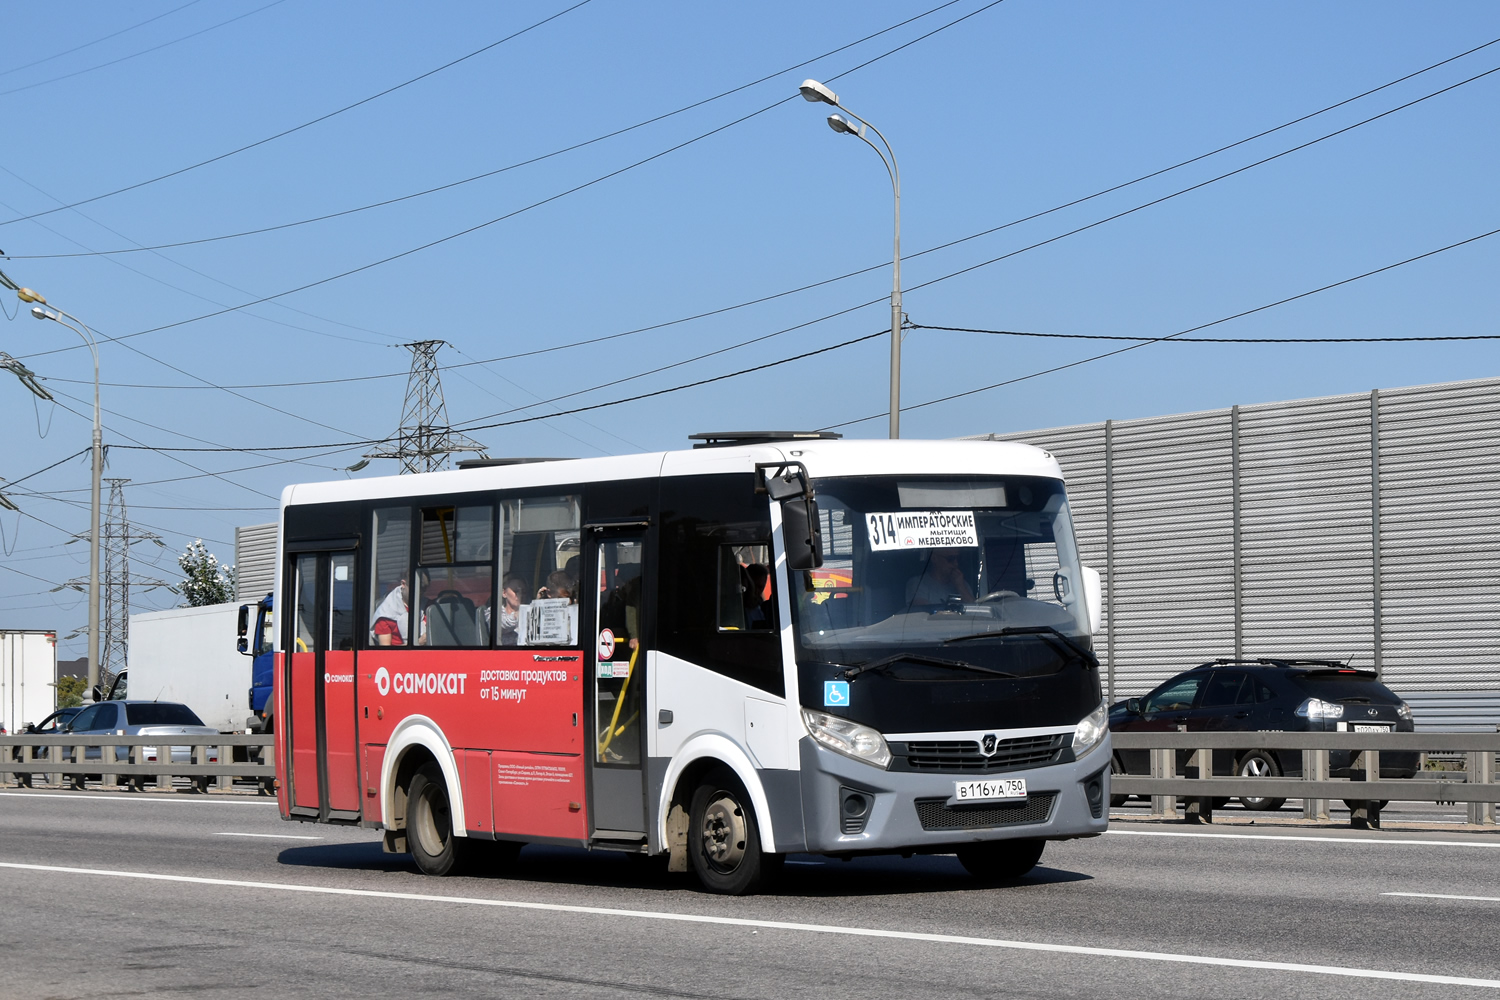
[{"x": 609, "y": 734}]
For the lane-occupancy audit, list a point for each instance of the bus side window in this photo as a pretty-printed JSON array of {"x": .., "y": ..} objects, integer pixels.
[
  {"x": 541, "y": 548},
  {"x": 715, "y": 608},
  {"x": 454, "y": 589},
  {"x": 390, "y": 575}
]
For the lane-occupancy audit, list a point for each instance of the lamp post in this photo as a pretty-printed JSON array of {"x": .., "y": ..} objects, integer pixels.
[
  {"x": 56, "y": 315},
  {"x": 815, "y": 92}
]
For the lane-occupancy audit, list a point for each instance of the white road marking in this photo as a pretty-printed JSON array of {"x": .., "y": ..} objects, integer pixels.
[
  {"x": 274, "y": 836},
  {"x": 127, "y": 797},
  {"x": 1439, "y": 895},
  {"x": 785, "y": 925},
  {"x": 1377, "y": 841}
]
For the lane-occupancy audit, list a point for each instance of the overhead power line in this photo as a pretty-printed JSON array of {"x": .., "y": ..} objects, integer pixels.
[
  {"x": 685, "y": 361},
  {"x": 1202, "y": 184},
  {"x": 38, "y": 472},
  {"x": 297, "y": 128},
  {"x": 165, "y": 454},
  {"x": 679, "y": 388},
  {"x": 1209, "y": 340},
  {"x": 57, "y": 494},
  {"x": 344, "y": 445},
  {"x": 167, "y": 284},
  {"x": 142, "y": 52},
  {"x": 594, "y": 340},
  {"x": 1178, "y": 334},
  {"x": 537, "y": 204},
  {"x": 96, "y": 41},
  {"x": 689, "y": 385},
  {"x": 511, "y": 166}
]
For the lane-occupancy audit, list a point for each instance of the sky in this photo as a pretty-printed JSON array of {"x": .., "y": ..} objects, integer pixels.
[{"x": 672, "y": 184}]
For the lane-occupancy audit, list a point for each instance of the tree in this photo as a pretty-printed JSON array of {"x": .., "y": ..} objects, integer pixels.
[
  {"x": 204, "y": 581},
  {"x": 70, "y": 691}
]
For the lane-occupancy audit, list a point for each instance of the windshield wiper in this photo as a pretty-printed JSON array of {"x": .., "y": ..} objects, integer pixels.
[
  {"x": 849, "y": 673},
  {"x": 1047, "y": 632}
]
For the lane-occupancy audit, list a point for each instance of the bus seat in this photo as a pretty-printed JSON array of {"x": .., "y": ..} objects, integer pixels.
[{"x": 451, "y": 621}]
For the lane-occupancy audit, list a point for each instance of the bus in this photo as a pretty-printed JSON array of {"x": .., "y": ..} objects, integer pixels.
[{"x": 768, "y": 643}]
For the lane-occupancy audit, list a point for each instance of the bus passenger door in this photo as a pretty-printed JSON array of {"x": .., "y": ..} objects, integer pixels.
[
  {"x": 614, "y": 579},
  {"x": 320, "y": 686}
]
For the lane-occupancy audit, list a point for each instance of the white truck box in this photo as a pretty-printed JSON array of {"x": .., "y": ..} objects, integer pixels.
[
  {"x": 28, "y": 669},
  {"x": 189, "y": 655}
]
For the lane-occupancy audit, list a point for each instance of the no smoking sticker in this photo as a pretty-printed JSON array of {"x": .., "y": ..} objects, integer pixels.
[{"x": 606, "y": 644}]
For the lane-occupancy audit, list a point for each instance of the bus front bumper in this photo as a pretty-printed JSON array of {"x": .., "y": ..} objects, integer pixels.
[{"x": 851, "y": 807}]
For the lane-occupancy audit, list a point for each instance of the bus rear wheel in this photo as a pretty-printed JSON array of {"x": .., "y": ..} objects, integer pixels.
[
  {"x": 724, "y": 838},
  {"x": 1001, "y": 860},
  {"x": 429, "y": 824}
]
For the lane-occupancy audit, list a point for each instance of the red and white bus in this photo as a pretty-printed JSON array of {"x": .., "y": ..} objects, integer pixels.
[{"x": 769, "y": 643}]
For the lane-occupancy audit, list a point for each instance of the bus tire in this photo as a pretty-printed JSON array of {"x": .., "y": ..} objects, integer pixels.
[
  {"x": 724, "y": 838},
  {"x": 1001, "y": 860},
  {"x": 429, "y": 824}
]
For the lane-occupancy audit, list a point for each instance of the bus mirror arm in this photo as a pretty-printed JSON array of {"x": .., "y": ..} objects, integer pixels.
[{"x": 783, "y": 480}]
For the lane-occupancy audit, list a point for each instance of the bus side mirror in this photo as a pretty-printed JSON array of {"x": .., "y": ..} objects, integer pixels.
[
  {"x": 802, "y": 533},
  {"x": 243, "y": 629},
  {"x": 1093, "y": 596}
]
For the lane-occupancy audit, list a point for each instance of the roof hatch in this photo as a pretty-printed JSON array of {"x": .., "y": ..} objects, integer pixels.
[{"x": 724, "y": 439}]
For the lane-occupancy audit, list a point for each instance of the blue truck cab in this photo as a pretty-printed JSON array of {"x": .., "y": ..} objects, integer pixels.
[{"x": 257, "y": 644}]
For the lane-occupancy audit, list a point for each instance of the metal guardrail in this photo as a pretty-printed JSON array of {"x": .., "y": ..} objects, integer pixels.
[
  {"x": 1365, "y": 789},
  {"x": 66, "y": 760}
]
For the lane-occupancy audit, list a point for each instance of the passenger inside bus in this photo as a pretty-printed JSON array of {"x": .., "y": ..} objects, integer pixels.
[
  {"x": 391, "y": 616},
  {"x": 757, "y": 596},
  {"x": 559, "y": 585},
  {"x": 510, "y": 608}
]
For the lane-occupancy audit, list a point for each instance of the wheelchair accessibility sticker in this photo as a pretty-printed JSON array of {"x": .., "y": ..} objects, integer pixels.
[{"x": 835, "y": 694}]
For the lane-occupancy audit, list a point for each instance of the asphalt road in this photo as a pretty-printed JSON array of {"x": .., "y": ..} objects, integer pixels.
[{"x": 236, "y": 898}]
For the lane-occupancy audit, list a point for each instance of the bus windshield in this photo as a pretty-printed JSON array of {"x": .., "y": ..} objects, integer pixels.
[{"x": 970, "y": 583}]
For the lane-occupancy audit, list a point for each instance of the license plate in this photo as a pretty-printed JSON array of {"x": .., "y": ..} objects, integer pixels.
[
  {"x": 1368, "y": 727},
  {"x": 994, "y": 790}
]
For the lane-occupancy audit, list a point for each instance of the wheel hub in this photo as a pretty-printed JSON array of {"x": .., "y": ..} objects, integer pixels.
[{"x": 724, "y": 833}]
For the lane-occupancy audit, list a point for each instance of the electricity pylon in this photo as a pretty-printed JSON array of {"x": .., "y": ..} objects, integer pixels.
[
  {"x": 424, "y": 440},
  {"x": 117, "y": 536}
]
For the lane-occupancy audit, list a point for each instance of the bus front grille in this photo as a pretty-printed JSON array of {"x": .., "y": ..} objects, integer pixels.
[
  {"x": 936, "y": 814},
  {"x": 966, "y": 755}
]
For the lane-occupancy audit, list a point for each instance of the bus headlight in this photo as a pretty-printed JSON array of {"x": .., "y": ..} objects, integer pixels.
[
  {"x": 1090, "y": 731},
  {"x": 848, "y": 738}
]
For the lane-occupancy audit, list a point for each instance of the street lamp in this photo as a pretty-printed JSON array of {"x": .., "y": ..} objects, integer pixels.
[
  {"x": 56, "y": 315},
  {"x": 815, "y": 92}
]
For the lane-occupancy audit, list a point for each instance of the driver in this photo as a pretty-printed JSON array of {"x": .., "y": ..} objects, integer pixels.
[{"x": 941, "y": 579}]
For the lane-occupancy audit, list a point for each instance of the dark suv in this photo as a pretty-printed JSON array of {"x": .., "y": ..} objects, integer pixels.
[{"x": 1275, "y": 695}]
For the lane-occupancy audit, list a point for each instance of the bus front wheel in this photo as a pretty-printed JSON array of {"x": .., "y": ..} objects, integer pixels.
[
  {"x": 724, "y": 838},
  {"x": 429, "y": 824}
]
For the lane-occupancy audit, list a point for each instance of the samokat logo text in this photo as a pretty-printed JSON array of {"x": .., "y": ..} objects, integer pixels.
[{"x": 426, "y": 683}]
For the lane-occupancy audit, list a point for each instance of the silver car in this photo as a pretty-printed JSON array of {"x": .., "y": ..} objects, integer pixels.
[{"x": 141, "y": 718}]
